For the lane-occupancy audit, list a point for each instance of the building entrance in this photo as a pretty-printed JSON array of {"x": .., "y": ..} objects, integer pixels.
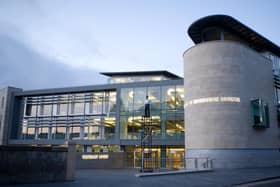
[{"x": 174, "y": 158}]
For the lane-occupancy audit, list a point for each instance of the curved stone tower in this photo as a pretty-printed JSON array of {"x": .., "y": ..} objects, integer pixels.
[{"x": 221, "y": 78}]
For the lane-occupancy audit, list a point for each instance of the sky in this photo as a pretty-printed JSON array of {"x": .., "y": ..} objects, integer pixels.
[{"x": 61, "y": 43}]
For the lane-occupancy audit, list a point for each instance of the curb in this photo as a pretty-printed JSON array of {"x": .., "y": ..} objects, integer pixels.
[{"x": 171, "y": 172}]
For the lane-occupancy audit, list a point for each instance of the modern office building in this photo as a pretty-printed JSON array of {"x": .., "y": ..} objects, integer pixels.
[
  {"x": 225, "y": 108},
  {"x": 102, "y": 118}
]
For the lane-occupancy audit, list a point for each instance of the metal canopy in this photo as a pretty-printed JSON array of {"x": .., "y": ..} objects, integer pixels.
[{"x": 142, "y": 73}]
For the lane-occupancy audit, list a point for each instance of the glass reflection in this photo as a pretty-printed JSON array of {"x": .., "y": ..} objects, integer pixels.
[
  {"x": 154, "y": 97},
  {"x": 168, "y": 97},
  {"x": 93, "y": 130},
  {"x": 70, "y": 116},
  {"x": 109, "y": 127},
  {"x": 43, "y": 133},
  {"x": 45, "y": 110},
  {"x": 74, "y": 133},
  {"x": 180, "y": 97},
  {"x": 60, "y": 133},
  {"x": 63, "y": 109},
  {"x": 139, "y": 98},
  {"x": 30, "y": 133}
]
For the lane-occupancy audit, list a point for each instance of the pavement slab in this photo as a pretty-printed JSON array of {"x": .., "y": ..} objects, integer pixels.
[{"x": 127, "y": 178}]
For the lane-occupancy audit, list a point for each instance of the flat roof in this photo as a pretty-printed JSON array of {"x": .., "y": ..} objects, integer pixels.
[
  {"x": 142, "y": 73},
  {"x": 235, "y": 27},
  {"x": 101, "y": 87}
]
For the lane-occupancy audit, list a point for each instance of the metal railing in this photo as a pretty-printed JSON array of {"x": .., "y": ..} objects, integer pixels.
[
  {"x": 194, "y": 163},
  {"x": 199, "y": 163}
]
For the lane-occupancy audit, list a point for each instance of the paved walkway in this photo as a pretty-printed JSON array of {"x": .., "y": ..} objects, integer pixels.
[{"x": 126, "y": 178}]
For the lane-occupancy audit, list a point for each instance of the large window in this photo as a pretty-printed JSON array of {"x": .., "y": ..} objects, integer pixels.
[
  {"x": 275, "y": 62},
  {"x": 127, "y": 95},
  {"x": 59, "y": 133},
  {"x": 167, "y": 111},
  {"x": 43, "y": 132},
  {"x": 70, "y": 116},
  {"x": 259, "y": 113}
]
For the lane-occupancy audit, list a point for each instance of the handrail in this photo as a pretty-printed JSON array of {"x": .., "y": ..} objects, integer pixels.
[{"x": 187, "y": 163}]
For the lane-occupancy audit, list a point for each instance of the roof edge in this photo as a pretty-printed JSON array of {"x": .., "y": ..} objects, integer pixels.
[
  {"x": 235, "y": 27},
  {"x": 142, "y": 73}
]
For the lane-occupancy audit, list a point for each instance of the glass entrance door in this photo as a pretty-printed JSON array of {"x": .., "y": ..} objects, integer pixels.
[
  {"x": 175, "y": 158},
  {"x": 153, "y": 162}
]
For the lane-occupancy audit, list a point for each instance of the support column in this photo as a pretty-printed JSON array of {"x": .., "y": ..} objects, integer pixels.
[
  {"x": 118, "y": 128},
  {"x": 163, "y": 126},
  {"x": 163, "y": 156}
]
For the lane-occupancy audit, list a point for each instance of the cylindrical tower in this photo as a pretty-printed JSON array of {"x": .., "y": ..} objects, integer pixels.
[{"x": 221, "y": 78}]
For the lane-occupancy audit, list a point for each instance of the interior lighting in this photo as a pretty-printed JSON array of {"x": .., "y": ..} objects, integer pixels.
[
  {"x": 130, "y": 94},
  {"x": 170, "y": 91}
]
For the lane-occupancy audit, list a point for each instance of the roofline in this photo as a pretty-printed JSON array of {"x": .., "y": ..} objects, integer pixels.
[
  {"x": 232, "y": 25},
  {"x": 91, "y": 88},
  {"x": 142, "y": 73}
]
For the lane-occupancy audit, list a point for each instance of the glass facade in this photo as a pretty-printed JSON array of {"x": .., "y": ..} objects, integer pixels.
[
  {"x": 109, "y": 120},
  {"x": 89, "y": 116},
  {"x": 93, "y": 115},
  {"x": 167, "y": 157},
  {"x": 275, "y": 62},
  {"x": 167, "y": 111}
]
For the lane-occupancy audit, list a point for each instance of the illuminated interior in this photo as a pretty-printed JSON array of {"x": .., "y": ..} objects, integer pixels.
[
  {"x": 174, "y": 158},
  {"x": 167, "y": 113},
  {"x": 125, "y": 79}
]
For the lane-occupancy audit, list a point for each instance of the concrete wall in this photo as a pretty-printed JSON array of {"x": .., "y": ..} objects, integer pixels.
[
  {"x": 238, "y": 158},
  {"x": 6, "y": 112},
  {"x": 22, "y": 164},
  {"x": 228, "y": 69},
  {"x": 115, "y": 160}
]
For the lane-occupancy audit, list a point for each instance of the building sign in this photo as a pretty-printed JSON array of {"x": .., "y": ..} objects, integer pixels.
[{"x": 95, "y": 156}]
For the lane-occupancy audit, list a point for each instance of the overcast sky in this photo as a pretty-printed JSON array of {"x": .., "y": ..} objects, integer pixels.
[{"x": 59, "y": 43}]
